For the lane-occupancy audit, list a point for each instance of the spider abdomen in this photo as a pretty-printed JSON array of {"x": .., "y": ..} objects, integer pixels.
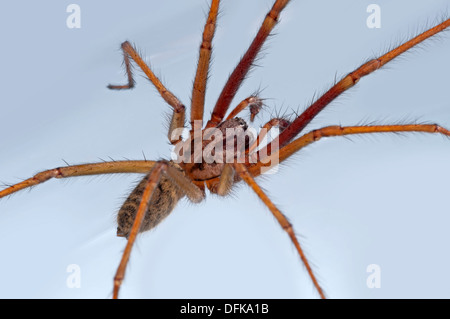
[{"x": 163, "y": 201}]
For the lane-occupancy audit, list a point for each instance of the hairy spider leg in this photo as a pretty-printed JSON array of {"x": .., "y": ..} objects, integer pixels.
[
  {"x": 204, "y": 61},
  {"x": 349, "y": 81},
  {"x": 240, "y": 72}
]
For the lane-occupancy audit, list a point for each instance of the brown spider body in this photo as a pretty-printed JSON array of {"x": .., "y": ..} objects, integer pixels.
[{"x": 166, "y": 182}]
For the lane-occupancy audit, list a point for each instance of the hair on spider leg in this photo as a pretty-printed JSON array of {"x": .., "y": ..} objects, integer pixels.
[
  {"x": 212, "y": 55},
  {"x": 368, "y": 120},
  {"x": 339, "y": 98},
  {"x": 258, "y": 94},
  {"x": 123, "y": 63},
  {"x": 141, "y": 53},
  {"x": 254, "y": 64},
  {"x": 332, "y": 107},
  {"x": 429, "y": 23},
  {"x": 65, "y": 162},
  {"x": 128, "y": 69},
  {"x": 259, "y": 90},
  {"x": 276, "y": 109},
  {"x": 416, "y": 30},
  {"x": 3, "y": 184},
  {"x": 167, "y": 121},
  {"x": 281, "y": 112},
  {"x": 376, "y": 136},
  {"x": 143, "y": 154},
  {"x": 233, "y": 192}
]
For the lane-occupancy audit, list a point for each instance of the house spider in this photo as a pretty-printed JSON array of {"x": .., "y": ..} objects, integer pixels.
[{"x": 286, "y": 210}]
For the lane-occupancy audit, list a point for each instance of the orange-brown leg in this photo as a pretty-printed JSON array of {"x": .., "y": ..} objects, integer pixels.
[
  {"x": 240, "y": 72},
  {"x": 178, "y": 107},
  {"x": 253, "y": 102},
  {"x": 282, "y": 220},
  {"x": 329, "y": 131},
  {"x": 152, "y": 183},
  {"x": 350, "y": 80},
  {"x": 81, "y": 170},
  {"x": 201, "y": 77}
]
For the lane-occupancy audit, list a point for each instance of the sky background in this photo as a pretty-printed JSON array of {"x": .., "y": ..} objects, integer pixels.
[{"x": 354, "y": 202}]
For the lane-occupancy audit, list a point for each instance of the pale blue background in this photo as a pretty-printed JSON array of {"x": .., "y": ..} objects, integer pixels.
[{"x": 381, "y": 200}]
